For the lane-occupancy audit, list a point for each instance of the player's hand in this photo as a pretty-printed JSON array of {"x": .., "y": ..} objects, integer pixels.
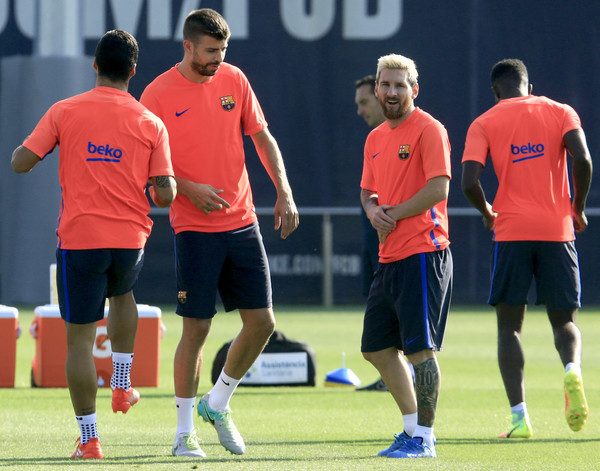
[
  {"x": 206, "y": 198},
  {"x": 489, "y": 219},
  {"x": 286, "y": 215},
  {"x": 580, "y": 222},
  {"x": 382, "y": 236},
  {"x": 380, "y": 220},
  {"x": 489, "y": 222}
]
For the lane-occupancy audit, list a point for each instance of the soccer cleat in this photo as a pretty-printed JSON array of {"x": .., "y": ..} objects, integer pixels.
[
  {"x": 187, "y": 445},
  {"x": 91, "y": 450},
  {"x": 414, "y": 448},
  {"x": 123, "y": 400},
  {"x": 378, "y": 385},
  {"x": 520, "y": 427},
  {"x": 400, "y": 440},
  {"x": 576, "y": 408},
  {"x": 228, "y": 434}
]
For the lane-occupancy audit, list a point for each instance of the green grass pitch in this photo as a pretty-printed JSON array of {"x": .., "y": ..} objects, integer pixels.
[{"x": 324, "y": 428}]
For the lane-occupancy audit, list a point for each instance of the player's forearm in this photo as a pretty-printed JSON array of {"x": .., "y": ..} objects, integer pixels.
[
  {"x": 476, "y": 197},
  {"x": 368, "y": 199},
  {"x": 582, "y": 180},
  {"x": 473, "y": 191},
  {"x": 184, "y": 186},
  {"x": 576, "y": 144},
  {"x": 163, "y": 190},
  {"x": 435, "y": 191},
  {"x": 272, "y": 160},
  {"x": 23, "y": 160}
]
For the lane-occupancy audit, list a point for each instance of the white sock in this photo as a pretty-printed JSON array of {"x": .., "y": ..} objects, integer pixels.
[
  {"x": 573, "y": 366},
  {"x": 426, "y": 433},
  {"x": 410, "y": 423},
  {"x": 185, "y": 414},
  {"x": 121, "y": 369},
  {"x": 87, "y": 427},
  {"x": 520, "y": 408},
  {"x": 221, "y": 393}
]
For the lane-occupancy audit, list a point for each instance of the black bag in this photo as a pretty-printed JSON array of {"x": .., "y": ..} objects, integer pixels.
[{"x": 283, "y": 362}]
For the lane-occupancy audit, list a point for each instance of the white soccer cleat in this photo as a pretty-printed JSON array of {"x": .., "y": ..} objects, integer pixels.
[
  {"x": 228, "y": 434},
  {"x": 187, "y": 445}
]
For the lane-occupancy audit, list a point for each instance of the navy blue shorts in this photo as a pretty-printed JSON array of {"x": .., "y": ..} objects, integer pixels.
[
  {"x": 553, "y": 265},
  {"x": 85, "y": 278},
  {"x": 234, "y": 263},
  {"x": 408, "y": 304}
]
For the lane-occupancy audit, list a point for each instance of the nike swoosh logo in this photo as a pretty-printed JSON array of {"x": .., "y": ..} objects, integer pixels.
[
  {"x": 179, "y": 113},
  {"x": 225, "y": 382},
  {"x": 412, "y": 340},
  {"x": 210, "y": 419},
  {"x": 375, "y": 155}
]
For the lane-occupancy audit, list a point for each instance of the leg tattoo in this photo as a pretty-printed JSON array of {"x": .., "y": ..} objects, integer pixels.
[{"x": 427, "y": 384}]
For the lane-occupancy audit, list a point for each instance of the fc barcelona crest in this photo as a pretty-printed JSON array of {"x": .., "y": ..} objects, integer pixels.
[
  {"x": 182, "y": 296},
  {"x": 404, "y": 152},
  {"x": 227, "y": 102}
]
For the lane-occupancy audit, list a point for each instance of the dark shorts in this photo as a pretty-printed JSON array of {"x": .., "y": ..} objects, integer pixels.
[
  {"x": 85, "y": 278},
  {"x": 369, "y": 267},
  {"x": 232, "y": 262},
  {"x": 408, "y": 304},
  {"x": 554, "y": 266}
]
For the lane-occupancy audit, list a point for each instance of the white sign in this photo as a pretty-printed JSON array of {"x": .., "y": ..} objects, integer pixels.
[{"x": 278, "y": 368}]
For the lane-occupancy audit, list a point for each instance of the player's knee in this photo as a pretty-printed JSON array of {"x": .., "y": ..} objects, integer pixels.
[
  {"x": 508, "y": 332},
  {"x": 196, "y": 330},
  {"x": 371, "y": 357},
  {"x": 267, "y": 325},
  {"x": 261, "y": 322}
]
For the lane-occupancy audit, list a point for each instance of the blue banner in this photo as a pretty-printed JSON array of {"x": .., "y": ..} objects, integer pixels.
[{"x": 302, "y": 58}]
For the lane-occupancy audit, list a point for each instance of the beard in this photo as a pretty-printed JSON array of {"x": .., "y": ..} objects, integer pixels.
[
  {"x": 207, "y": 70},
  {"x": 403, "y": 107}
]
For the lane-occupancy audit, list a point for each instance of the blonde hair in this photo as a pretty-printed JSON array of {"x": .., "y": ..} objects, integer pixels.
[{"x": 396, "y": 61}]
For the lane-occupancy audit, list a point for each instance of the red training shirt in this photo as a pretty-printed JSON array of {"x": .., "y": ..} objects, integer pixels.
[
  {"x": 524, "y": 137},
  {"x": 110, "y": 145},
  {"x": 397, "y": 163},
  {"x": 206, "y": 123}
]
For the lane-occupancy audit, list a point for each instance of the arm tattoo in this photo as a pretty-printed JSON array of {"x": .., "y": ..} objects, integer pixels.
[
  {"x": 163, "y": 181},
  {"x": 427, "y": 386}
]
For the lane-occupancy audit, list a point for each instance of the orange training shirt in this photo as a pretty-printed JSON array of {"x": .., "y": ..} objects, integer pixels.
[
  {"x": 397, "y": 164},
  {"x": 110, "y": 145},
  {"x": 524, "y": 137},
  {"x": 205, "y": 123}
]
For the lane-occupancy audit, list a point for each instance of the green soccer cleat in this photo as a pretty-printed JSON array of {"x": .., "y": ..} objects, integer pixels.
[
  {"x": 576, "y": 407},
  {"x": 520, "y": 427},
  {"x": 228, "y": 434}
]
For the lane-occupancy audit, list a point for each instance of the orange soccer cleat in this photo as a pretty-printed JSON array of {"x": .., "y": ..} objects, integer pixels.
[{"x": 123, "y": 400}]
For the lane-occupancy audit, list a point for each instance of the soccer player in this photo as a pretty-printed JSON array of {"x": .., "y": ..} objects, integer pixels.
[
  {"x": 206, "y": 105},
  {"x": 110, "y": 146},
  {"x": 404, "y": 191},
  {"x": 533, "y": 222},
  {"x": 367, "y": 107}
]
